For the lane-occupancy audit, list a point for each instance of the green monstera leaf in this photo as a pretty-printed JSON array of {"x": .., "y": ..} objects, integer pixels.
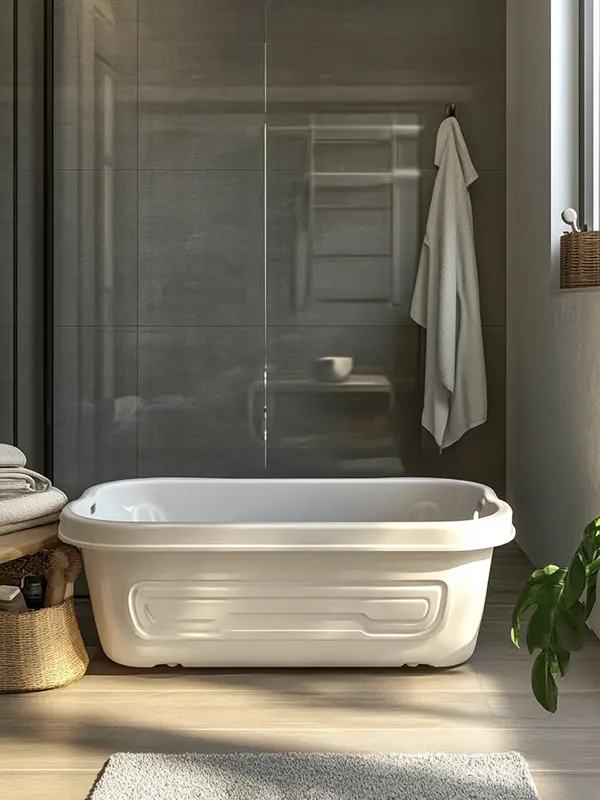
[
  {"x": 563, "y": 600},
  {"x": 543, "y": 681}
]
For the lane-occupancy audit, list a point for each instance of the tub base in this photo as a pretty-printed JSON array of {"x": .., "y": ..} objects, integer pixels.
[
  {"x": 270, "y": 610},
  {"x": 295, "y": 658}
]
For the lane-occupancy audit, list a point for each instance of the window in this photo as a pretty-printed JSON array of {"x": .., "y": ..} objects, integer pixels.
[{"x": 590, "y": 113}]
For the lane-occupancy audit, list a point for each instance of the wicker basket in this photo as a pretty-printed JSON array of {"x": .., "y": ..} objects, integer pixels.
[
  {"x": 39, "y": 649},
  {"x": 580, "y": 260}
]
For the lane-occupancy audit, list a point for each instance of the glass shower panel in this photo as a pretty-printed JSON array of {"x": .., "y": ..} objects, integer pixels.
[
  {"x": 159, "y": 261},
  {"x": 201, "y": 288},
  {"x": 190, "y": 274},
  {"x": 95, "y": 242},
  {"x": 345, "y": 150},
  {"x": 7, "y": 177}
]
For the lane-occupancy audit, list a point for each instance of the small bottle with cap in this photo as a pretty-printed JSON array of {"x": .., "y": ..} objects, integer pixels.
[
  {"x": 12, "y": 600},
  {"x": 34, "y": 587}
]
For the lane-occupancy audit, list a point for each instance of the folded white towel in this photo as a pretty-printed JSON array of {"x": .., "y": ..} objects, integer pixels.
[
  {"x": 16, "y": 484},
  {"x": 29, "y": 523},
  {"x": 20, "y": 480},
  {"x": 29, "y": 510},
  {"x": 11, "y": 456}
]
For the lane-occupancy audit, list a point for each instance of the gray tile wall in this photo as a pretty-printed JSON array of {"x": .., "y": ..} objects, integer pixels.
[
  {"x": 96, "y": 405},
  {"x": 160, "y": 280}
]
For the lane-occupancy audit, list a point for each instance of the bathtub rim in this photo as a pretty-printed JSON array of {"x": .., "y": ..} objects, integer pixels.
[{"x": 483, "y": 533}]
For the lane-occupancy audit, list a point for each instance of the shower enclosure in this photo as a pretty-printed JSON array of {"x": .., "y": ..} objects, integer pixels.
[{"x": 238, "y": 188}]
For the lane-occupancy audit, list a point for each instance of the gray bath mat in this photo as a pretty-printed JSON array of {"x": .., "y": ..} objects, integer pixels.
[{"x": 314, "y": 776}]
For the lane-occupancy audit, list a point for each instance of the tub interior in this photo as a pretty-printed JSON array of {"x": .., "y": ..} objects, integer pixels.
[{"x": 238, "y": 501}]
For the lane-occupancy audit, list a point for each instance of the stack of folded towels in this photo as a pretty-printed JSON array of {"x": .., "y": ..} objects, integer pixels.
[{"x": 27, "y": 499}]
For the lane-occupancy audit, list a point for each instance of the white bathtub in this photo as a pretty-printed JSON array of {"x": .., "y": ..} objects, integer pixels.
[{"x": 287, "y": 573}]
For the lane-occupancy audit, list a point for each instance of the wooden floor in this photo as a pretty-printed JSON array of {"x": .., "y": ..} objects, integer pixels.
[{"x": 53, "y": 744}]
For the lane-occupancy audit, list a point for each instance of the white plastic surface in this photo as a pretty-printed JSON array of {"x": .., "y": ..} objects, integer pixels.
[
  {"x": 8, "y": 593},
  {"x": 283, "y": 573}
]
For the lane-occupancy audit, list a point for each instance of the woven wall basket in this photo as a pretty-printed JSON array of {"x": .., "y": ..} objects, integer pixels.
[
  {"x": 40, "y": 649},
  {"x": 580, "y": 260}
]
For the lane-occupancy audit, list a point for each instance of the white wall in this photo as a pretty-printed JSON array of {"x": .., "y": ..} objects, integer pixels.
[{"x": 553, "y": 338}]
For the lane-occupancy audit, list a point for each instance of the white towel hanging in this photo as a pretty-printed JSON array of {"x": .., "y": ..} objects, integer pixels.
[{"x": 446, "y": 298}]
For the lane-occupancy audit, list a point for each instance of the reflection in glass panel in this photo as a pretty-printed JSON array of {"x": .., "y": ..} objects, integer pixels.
[
  {"x": 356, "y": 227},
  {"x": 344, "y": 254}
]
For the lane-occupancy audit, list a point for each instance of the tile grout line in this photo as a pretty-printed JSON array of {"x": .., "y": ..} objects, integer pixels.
[
  {"x": 194, "y": 170},
  {"x": 258, "y": 326}
]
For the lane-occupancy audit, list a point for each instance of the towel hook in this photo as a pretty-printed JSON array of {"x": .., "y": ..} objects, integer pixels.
[{"x": 450, "y": 110}]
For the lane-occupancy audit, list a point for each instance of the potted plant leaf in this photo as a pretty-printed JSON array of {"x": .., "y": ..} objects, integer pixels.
[{"x": 563, "y": 600}]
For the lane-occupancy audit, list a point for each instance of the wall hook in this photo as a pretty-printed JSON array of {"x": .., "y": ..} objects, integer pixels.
[{"x": 450, "y": 110}]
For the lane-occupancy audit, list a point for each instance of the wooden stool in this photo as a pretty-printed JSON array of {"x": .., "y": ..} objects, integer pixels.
[{"x": 28, "y": 542}]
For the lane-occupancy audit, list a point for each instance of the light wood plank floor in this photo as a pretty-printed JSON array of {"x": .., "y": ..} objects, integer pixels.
[{"x": 53, "y": 744}]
